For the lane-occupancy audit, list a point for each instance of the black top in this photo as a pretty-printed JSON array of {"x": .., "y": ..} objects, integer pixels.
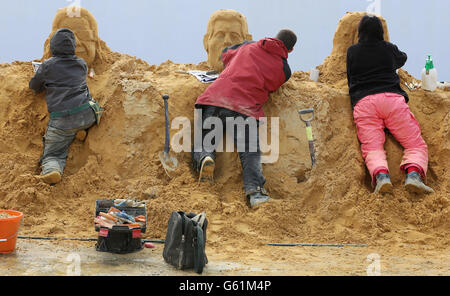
[{"x": 371, "y": 69}]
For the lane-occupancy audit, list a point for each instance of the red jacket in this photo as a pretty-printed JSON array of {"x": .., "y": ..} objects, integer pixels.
[{"x": 252, "y": 71}]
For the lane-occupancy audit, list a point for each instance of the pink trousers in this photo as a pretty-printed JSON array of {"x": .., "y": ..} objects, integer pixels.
[{"x": 372, "y": 115}]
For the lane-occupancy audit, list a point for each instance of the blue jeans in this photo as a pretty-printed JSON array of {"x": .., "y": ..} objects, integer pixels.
[
  {"x": 252, "y": 172},
  {"x": 56, "y": 148}
]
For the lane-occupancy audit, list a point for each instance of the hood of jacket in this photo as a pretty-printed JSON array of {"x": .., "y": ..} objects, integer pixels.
[
  {"x": 63, "y": 43},
  {"x": 275, "y": 46},
  {"x": 370, "y": 29}
]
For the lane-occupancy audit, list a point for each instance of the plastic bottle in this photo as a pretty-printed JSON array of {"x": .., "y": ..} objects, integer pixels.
[{"x": 429, "y": 75}]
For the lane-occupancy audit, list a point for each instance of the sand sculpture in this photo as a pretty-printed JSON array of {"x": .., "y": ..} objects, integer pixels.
[
  {"x": 226, "y": 27},
  {"x": 89, "y": 45},
  {"x": 330, "y": 203},
  {"x": 334, "y": 68}
]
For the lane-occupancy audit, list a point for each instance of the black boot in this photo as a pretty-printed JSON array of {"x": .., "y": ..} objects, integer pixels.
[
  {"x": 207, "y": 169},
  {"x": 257, "y": 197}
]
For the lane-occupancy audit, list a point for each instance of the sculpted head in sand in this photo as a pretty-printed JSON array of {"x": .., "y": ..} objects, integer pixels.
[
  {"x": 347, "y": 32},
  {"x": 89, "y": 46},
  {"x": 334, "y": 68},
  {"x": 226, "y": 27}
]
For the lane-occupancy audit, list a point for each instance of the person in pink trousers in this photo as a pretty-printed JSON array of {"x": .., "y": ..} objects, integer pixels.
[{"x": 379, "y": 102}]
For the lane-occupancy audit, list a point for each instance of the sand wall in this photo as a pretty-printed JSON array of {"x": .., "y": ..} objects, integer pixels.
[{"x": 330, "y": 203}]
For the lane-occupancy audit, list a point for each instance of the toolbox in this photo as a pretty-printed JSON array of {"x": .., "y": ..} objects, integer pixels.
[{"x": 120, "y": 239}]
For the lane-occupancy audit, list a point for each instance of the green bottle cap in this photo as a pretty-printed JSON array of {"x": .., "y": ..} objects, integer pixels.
[{"x": 429, "y": 64}]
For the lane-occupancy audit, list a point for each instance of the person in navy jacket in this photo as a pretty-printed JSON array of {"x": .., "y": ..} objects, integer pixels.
[{"x": 63, "y": 78}]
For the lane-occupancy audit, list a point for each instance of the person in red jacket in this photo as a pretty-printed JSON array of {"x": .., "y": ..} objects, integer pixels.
[{"x": 252, "y": 71}]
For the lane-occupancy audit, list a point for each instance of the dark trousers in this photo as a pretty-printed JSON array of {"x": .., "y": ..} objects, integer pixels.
[
  {"x": 246, "y": 140},
  {"x": 58, "y": 137}
]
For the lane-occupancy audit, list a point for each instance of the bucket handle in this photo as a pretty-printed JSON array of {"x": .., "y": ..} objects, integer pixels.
[
  {"x": 7, "y": 239},
  {"x": 15, "y": 234}
]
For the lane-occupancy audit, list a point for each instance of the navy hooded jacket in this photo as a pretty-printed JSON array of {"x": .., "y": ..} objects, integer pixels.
[{"x": 63, "y": 76}]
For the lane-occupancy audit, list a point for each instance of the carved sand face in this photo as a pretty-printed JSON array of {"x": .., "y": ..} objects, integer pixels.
[
  {"x": 85, "y": 37},
  {"x": 89, "y": 46},
  {"x": 227, "y": 29}
]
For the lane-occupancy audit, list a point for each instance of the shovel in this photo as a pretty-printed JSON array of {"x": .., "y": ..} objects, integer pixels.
[
  {"x": 170, "y": 163},
  {"x": 309, "y": 135}
]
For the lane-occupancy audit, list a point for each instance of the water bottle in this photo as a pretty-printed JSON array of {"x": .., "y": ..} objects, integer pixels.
[{"x": 429, "y": 75}]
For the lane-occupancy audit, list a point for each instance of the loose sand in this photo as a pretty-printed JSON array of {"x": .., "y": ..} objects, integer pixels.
[{"x": 330, "y": 203}]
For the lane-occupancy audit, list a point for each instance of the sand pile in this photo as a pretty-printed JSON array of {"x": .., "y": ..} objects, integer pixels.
[{"x": 330, "y": 203}]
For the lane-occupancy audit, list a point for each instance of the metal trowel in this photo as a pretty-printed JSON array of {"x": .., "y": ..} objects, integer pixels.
[{"x": 170, "y": 163}]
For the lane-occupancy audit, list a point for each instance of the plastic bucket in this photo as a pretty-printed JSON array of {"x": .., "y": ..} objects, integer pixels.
[{"x": 9, "y": 228}]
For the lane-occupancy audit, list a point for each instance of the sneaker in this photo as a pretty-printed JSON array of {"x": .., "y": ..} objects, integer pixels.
[
  {"x": 384, "y": 184},
  {"x": 51, "y": 178},
  {"x": 257, "y": 198},
  {"x": 207, "y": 169},
  {"x": 414, "y": 184},
  {"x": 81, "y": 135}
]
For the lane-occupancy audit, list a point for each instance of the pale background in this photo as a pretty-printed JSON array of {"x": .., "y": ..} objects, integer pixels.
[{"x": 160, "y": 30}]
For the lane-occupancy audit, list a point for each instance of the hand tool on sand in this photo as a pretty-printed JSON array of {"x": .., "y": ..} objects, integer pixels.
[
  {"x": 170, "y": 163},
  {"x": 82, "y": 239},
  {"x": 149, "y": 245},
  {"x": 316, "y": 245},
  {"x": 309, "y": 135}
]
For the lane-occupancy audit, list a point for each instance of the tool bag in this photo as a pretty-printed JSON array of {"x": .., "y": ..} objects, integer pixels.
[
  {"x": 184, "y": 246},
  {"x": 120, "y": 239}
]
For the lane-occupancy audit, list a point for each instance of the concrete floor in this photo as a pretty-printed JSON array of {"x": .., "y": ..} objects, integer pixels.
[{"x": 60, "y": 258}]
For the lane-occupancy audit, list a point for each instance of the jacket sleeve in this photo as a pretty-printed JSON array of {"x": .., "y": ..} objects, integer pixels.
[
  {"x": 287, "y": 70},
  {"x": 399, "y": 56},
  {"x": 349, "y": 61},
  {"x": 37, "y": 83},
  {"x": 84, "y": 65}
]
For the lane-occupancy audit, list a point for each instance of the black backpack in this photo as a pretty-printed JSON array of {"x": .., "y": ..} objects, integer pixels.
[{"x": 184, "y": 246}]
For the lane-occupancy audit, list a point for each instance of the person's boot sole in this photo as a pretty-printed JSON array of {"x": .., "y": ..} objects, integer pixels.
[
  {"x": 418, "y": 188},
  {"x": 207, "y": 170},
  {"x": 258, "y": 202},
  {"x": 51, "y": 178},
  {"x": 385, "y": 188}
]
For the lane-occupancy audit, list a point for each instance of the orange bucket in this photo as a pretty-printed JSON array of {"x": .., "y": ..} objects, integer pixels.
[{"x": 9, "y": 228}]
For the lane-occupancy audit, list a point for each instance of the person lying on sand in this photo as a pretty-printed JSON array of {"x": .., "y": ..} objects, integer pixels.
[
  {"x": 63, "y": 76},
  {"x": 252, "y": 71},
  {"x": 378, "y": 102}
]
